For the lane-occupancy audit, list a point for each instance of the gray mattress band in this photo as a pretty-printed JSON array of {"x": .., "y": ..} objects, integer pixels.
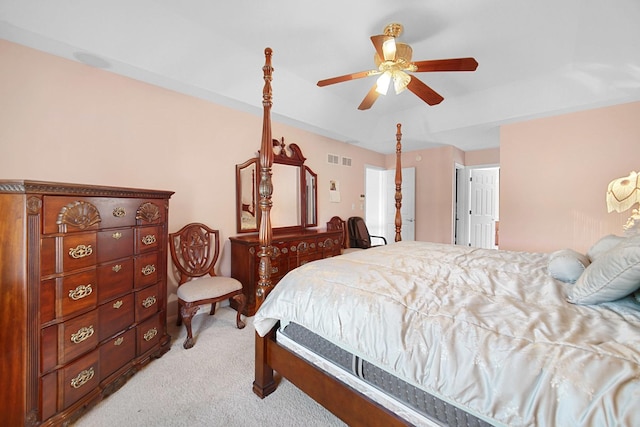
[{"x": 422, "y": 402}]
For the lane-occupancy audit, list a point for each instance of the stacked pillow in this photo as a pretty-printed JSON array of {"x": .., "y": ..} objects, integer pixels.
[
  {"x": 567, "y": 265},
  {"x": 614, "y": 271}
]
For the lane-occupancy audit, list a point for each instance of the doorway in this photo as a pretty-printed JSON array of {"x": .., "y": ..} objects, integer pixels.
[
  {"x": 380, "y": 202},
  {"x": 477, "y": 206}
]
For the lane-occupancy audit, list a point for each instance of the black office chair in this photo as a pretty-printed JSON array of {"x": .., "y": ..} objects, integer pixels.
[{"x": 359, "y": 236}]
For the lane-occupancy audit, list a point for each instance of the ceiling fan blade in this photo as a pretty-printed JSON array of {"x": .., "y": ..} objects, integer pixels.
[
  {"x": 454, "y": 64},
  {"x": 347, "y": 77},
  {"x": 424, "y": 92},
  {"x": 368, "y": 100}
]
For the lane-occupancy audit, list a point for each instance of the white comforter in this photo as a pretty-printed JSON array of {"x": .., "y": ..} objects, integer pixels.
[{"x": 487, "y": 330}]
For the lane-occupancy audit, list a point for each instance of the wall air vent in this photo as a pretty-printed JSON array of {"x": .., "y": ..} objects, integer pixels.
[
  {"x": 346, "y": 161},
  {"x": 333, "y": 159}
]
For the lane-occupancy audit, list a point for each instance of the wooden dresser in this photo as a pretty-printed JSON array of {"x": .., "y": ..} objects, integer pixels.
[
  {"x": 291, "y": 250},
  {"x": 83, "y": 291}
]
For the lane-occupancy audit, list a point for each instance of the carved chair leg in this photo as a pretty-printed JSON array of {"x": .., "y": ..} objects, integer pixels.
[
  {"x": 241, "y": 300},
  {"x": 179, "y": 321},
  {"x": 188, "y": 311}
]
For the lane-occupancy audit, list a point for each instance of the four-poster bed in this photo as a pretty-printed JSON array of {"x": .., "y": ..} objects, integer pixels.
[{"x": 417, "y": 333}]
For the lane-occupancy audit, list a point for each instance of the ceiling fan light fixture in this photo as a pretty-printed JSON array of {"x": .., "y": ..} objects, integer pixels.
[
  {"x": 389, "y": 49},
  {"x": 383, "y": 82},
  {"x": 400, "y": 81}
]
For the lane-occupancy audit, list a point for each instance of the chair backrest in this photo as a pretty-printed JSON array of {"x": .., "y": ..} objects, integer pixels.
[
  {"x": 194, "y": 250},
  {"x": 359, "y": 236},
  {"x": 337, "y": 223}
]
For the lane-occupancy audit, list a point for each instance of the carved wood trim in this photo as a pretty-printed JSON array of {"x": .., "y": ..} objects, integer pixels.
[{"x": 57, "y": 188}]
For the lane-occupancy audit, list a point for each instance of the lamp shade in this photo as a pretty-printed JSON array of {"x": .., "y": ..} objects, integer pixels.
[{"x": 623, "y": 193}]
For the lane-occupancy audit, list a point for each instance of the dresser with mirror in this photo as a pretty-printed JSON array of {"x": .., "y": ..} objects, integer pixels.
[{"x": 294, "y": 215}]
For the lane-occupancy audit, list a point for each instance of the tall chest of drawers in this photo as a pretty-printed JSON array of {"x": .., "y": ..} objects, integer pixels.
[{"x": 83, "y": 291}]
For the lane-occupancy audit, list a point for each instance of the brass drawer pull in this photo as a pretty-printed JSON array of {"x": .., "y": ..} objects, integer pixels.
[
  {"x": 149, "y": 239},
  {"x": 82, "y": 378},
  {"x": 80, "y": 292},
  {"x": 149, "y": 301},
  {"x": 80, "y": 251},
  {"x": 116, "y": 268},
  {"x": 82, "y": 334},
  {"x": 119, "y": 212},
  {"x": 117, "y": 304},
  {"x": 117, "y": 235},
  {"x": 150, "y": 334},
  {"x": 119, "y": 341},
  {"x": 148, "y": 269}
]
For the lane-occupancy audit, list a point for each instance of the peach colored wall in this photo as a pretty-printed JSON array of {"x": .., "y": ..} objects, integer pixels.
[
  {"x": 65, "y": 121},
  {"x": 554, "y": 177},
  {"x": 490, "y": 156}
]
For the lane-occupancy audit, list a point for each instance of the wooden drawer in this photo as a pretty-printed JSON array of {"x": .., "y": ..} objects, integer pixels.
[
  {"x": 88, "y": 213},
  {"x": 77, "y": 292},
  {"x": 148, "y": 334},
  {"x": 117, "y": 352},
  {"x": 115, "y": 279},
  {"x": 114, "y": 244},
  {"x": 48, "y": 395},
  {"x": 148, "y": 238},
  {"x": 48, "y": 255},
  {"x": 78, "y": 251},
  {"x": 147, "y": 302},
  {"x": 117, "y": 212},
  {"x": 115, "y": 316},
  {"x": 67, "y": 214},
  {"x": 77, "y": 336},
  {"x": 47, "y": 300},
  {"x": 79, "y": 378},
  {"x": 150, "y": 212},
  {"x": 145, "y": 270}
]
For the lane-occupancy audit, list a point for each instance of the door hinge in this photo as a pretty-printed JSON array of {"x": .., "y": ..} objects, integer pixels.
[{"x": 470, "y": 213}]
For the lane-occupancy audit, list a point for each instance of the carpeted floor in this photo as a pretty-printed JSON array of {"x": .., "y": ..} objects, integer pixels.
[{"x": 207, "y": 385}]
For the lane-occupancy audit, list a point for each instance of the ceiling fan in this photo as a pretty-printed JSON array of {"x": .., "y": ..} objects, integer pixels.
[{"x": 393, "y": 60}]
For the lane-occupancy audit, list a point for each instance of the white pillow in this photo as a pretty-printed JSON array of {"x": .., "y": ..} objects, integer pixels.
[
  {"x": 603, "y": 245},
  {"x": 567, "y": 265},
  {"x": 613, "y": 275}
]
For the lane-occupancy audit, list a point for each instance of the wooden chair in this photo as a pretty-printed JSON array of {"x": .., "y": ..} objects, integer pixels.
[
  {"x": 359, "y": 236},
  {"x": 194, "y": 251},
  {"x": 337, "y": 223}
]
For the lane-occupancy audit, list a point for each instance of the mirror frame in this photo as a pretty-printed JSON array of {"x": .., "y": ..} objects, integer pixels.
[{"x": 285, "y": 155}]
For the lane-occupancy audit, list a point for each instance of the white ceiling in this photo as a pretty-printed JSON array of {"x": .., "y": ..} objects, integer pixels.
[{"x": 536, "y": 58}]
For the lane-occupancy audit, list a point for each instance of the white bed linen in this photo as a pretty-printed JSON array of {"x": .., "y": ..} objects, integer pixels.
[{"x": 487, "y": 330}]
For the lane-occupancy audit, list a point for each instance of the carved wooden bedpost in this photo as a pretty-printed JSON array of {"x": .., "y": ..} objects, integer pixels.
[
  {"x": 398, "y": 183},
  {"x": 266, "y": 187}
]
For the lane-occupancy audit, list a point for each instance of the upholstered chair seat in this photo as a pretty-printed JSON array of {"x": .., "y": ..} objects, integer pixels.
[{"x": 194, "y": 252}]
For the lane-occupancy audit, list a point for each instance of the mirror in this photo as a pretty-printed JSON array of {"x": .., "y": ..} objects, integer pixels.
[
  {"x": 247, "y": 195},
  {"x": 294, "y": 195},
  {"x": 311, "y": 193}
]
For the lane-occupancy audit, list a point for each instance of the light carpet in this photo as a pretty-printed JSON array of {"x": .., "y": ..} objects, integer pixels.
[{"x": 207, "y": 385}]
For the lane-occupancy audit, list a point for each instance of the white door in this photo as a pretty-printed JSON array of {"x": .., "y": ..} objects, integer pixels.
[
  {"x": 483, "y": 209},
  {"x": 407, "y": 209}
]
